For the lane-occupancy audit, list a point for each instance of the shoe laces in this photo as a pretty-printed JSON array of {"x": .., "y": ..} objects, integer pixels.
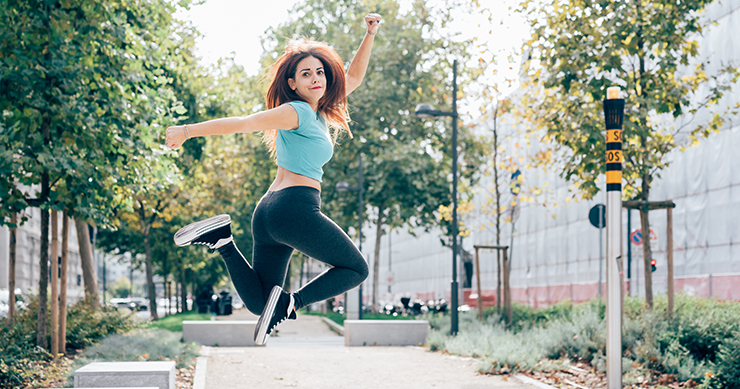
[
  {"x": 291, "y": 307},
  {"x": 213, "y": 245},
  {"x": 210, "y": 245}
]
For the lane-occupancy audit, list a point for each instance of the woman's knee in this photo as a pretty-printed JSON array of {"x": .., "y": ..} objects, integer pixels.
[{"x": 255, "y": 307}]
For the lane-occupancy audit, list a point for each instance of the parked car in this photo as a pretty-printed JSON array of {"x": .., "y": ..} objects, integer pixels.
[{"x": 132, "y": 303}]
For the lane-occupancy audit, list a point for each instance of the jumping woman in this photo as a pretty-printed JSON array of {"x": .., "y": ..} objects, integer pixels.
[{"x": 306, "y": 112}]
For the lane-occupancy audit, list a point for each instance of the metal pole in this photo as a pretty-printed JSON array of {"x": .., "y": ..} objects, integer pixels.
[
  {"x": 613, "y": 114},
  {"x": 669, "y": 257},
  {"x": 601, "y": 252},
  {"x": 390, "y": 262},
  {"x": 477, "y": 282},
  {"x": 629, "y": 252},
  {"x": 453, "y": 284},
  {"x": 360, "y": 230}
]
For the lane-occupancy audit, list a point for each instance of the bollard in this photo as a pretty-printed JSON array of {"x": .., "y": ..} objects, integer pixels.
[{"x": 613, "y": 115}]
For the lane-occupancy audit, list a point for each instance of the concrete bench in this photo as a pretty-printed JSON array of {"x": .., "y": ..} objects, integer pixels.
[
  {"x": 385, "y": 332},
  {"x": 159, "y": 375},
  {"x": 221, "y": 333}
]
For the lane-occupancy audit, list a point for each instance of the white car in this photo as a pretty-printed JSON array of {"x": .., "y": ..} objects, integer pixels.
[
  {"x": 133, "y": 303},
  {"x": 5, "y": 296}
]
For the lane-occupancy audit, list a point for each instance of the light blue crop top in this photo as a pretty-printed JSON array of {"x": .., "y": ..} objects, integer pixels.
[{"x": 308, "y": 148}]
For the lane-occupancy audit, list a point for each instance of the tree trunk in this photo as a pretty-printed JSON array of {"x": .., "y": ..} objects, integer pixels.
[
  {"x": 41, "y": 325},
  {"x": 63, "y": 286},
  {"x": 165, "y": 285},
  {"x": 376, "y": 263},
  {"x": 166, "y": 290},
  {"x": 507, "y": 289},
  {"x": 646, "y": 251},
  {"x": 87, "y": 262},
  {"x": 54, "y": 264},
  {"x": 150, "y": 278},
  {"x": 11, "y": 268},
  {"x": 498, "y": 205},
  {"x": 498, "y": 283},
  {"x": 183, "y": 290}
]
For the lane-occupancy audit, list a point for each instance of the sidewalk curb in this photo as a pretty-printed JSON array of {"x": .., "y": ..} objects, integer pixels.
[
  {"x": 201, "y": 365},
  {"x": 333, "y": 325},
  {"x": 530, "y": 381}
]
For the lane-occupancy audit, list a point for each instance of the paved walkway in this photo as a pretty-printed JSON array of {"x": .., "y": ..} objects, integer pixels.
[{"x": 306, "y": 354}]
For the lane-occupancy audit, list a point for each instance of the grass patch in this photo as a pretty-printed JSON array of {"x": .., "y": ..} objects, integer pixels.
[
  {"x": 339, "y": 318},
  {"x": 138, "y": 345},
  {"x": 174, "y": 322}
]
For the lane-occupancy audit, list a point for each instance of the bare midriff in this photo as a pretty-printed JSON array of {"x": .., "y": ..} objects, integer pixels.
[{"x": 286, "y": 178}]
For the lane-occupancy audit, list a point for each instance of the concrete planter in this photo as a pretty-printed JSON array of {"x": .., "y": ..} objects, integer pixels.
[
  {"x": 159, "y": 375},
  {"x": 221, "y": 333},
  {"x": 385, "y": 332}
]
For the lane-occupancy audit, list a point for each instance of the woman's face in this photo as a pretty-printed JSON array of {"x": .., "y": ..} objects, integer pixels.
[{"x": 309, "y": 81}]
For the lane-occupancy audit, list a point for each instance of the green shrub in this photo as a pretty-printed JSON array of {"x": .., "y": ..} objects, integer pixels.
[
  {"x": 725, "y": 373},
  {"x": 700, "y": 336},
  {"x": 87, "y": 325},
  {"x": 174, "y": 322}
]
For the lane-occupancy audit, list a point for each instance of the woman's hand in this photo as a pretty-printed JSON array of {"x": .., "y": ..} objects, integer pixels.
[
  {"x": 373, "y": 23},
  {"x": 176, "y": 136}
]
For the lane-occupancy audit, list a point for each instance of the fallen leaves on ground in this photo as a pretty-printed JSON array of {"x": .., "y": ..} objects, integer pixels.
[
  {"x": 582, "y": 375},
  {"x": 184, "y": 377}
]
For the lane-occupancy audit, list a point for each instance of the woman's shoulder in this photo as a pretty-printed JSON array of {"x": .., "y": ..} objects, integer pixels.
[
  {"x": 304, "y": 110},
  {"x": 299, "y": 103}
]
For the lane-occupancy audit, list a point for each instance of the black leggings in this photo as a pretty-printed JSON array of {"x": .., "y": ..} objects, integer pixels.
[{"x": 286, "y": 220}]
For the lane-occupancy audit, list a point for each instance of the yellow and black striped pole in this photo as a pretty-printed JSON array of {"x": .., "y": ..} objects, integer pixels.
[{"x": 613, "y": 116}]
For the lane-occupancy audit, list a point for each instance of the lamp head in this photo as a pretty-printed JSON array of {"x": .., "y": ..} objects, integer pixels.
[
  {"x": 424, "y": 111},
  {"x": 342, "y": 186}
]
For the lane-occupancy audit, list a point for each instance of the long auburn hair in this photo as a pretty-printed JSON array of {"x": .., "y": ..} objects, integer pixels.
[{"x": 333, "y": 105}]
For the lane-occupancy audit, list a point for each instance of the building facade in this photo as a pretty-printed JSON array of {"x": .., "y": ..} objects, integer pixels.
[{"x": 555, "y": 251}]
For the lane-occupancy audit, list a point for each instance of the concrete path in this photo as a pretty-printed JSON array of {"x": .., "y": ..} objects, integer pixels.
[{"x": 306, "y": 354}]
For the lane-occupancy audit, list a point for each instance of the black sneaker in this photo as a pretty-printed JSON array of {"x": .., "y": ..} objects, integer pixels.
[
  {"x": 280, "y": 307},
  {"x": 213, "y": 232}
]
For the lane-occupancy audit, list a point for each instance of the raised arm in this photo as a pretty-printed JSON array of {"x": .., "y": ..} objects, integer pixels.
[
  {"x": 358, "y": 67},
  {"x": 283, "y": 117}
]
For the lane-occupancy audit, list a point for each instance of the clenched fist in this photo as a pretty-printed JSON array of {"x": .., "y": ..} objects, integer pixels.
[
  {"x": 373, "y": 23},
  {"x": 176, "y": 136}
]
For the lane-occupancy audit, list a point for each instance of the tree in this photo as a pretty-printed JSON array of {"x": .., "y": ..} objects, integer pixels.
[
  {"x": 75, "y": 77},
  {"x": 121, "y": 287},
  {"x": 650, "y": 49},
  {"x": 226, "y": 174},
  {"x": 494, "y": 205}
]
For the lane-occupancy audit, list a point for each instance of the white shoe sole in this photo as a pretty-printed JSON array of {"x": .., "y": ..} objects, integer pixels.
[
  {"x": 260, "y": 332},
  {"x": 187, "y": 234}
]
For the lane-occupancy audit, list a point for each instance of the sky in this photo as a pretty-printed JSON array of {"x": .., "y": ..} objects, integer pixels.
[{"x": 234, "y": 27}]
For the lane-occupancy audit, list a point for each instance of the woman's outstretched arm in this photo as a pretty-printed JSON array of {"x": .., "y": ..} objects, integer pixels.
[
  {"x": 357, "y": 68},
  {"x": 283, "y": 117}
]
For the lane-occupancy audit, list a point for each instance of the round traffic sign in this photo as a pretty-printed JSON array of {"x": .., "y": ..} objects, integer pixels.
[
  {"x": 597, "y": 216},
  {"x": 636, "y": 237}
]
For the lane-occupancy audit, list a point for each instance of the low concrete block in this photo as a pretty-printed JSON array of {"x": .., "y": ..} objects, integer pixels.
[
  {"x": 159, "y": 375},
  {"x": 221, "y": 333},
  {"x": 385, "y": 332}
]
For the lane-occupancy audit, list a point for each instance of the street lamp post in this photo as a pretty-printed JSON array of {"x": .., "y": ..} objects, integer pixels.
[
  {"x": 426, "y": 111},
  {"x": 343, "y": 187}
]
